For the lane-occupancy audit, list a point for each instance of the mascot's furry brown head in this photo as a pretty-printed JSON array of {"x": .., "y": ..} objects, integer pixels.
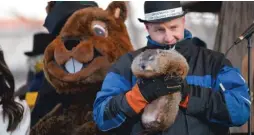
[{"x": 90, "y": 41}]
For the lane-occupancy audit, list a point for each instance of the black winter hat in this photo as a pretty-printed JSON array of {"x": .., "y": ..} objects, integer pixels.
[
  {"x": 161, "y": 11},
  {"x": 61, "y": 11}
]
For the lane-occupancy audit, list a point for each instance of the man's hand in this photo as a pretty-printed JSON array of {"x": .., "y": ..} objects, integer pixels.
[
  {"x": 147, "y": 90},
  {"x": 151, "y": 89}
]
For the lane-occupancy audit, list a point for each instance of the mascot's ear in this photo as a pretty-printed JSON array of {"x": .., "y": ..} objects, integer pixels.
[
  {"x": 50, "y": 6},
  {"x": 118, "y": 9}
]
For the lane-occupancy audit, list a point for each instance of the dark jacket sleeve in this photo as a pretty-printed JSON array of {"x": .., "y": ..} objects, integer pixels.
[
  {"x": 47, "y": 99},
  {"x": 227, "y": 102},
  {"x": 110, "y": 107}
]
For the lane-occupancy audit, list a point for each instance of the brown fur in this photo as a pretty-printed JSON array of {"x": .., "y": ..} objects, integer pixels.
[
  {"x": 161, "y": 113},
  {"x": 162, "y": 62},
  {"x": 79, "y": 25},
  {"x": 75, "y": 120},
  {"x": 81, "y": 87}
]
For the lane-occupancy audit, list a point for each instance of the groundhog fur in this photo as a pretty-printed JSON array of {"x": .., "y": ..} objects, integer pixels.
[
  {"x": 160, "y": 114},
  {"x": 98, "y": 38}
]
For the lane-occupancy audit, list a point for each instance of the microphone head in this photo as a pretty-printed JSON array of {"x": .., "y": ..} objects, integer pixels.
[{"x": 241, "y": 37}]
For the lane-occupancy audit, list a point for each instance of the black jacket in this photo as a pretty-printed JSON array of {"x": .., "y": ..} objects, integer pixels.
[{"x": 218, "y": 99}]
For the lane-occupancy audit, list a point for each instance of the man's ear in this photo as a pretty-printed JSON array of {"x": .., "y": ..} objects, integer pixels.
[
  {"x": 118, "y": 9},
  {"x": 146, "y": 25},
  {"x": 183, "y": 19}
]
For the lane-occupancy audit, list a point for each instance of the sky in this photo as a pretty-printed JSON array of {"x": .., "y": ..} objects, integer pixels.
[{"x": 33, "y": 9}]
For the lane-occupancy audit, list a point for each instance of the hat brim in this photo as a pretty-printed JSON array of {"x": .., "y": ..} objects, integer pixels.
[
  {"x": 161, "y": 20},
  {"x": 30, "y": 54}
]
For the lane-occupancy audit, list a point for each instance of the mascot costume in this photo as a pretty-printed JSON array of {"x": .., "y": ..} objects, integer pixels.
[{"x": 75, "y": 64}]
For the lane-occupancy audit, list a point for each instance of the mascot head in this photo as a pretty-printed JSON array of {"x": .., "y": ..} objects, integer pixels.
[{"x": 91, "y": 40}]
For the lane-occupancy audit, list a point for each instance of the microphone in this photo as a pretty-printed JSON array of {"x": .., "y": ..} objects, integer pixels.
[{"x": 245, "y": 34}]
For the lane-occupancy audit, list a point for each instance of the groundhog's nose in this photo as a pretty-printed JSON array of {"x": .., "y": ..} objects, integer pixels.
[
  {"x": 143, "y": 66},
  {"x": 148, "y": 68}
]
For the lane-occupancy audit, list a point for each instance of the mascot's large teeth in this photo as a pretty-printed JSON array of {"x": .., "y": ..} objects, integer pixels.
[{"x": 73, "y": 66}]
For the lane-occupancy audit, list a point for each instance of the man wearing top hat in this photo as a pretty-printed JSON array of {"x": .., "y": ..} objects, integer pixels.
[
  {"x": 35, "y": 73},
  {"x": 41, "y": 41},
  {"x": 215, "y": 95}
]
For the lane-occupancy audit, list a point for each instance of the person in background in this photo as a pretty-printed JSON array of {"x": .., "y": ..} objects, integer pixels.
[
  {"x": 35, "y": 59},
  {"x": 14, "y": 113},
  {"x": 35, "y": 75}
]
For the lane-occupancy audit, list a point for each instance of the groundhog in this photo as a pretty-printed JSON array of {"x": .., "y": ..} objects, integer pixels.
[{"x": 160, "y": 114}]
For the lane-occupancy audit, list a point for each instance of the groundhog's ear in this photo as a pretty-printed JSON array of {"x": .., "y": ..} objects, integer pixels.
[
  {"x": 50, "y": 6},
  {"x": 118, "y": 9}
]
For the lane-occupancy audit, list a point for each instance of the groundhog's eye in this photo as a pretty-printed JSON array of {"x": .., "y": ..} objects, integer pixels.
[
  {"x": 151, "y": 58},
  {"x": 99, "y": 30}
]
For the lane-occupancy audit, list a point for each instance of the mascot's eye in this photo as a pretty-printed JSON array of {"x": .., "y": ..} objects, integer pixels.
[{"x": 99, "y": 30}]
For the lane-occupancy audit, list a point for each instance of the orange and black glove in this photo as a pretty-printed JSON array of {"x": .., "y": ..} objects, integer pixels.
[
  {"x": 151, "y": 89},
  {"x": 147, "y": 90},
  {"x": 185, "y": 91}
]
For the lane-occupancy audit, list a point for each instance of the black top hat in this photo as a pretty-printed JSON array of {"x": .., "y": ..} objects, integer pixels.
[
  {"x": 60, "y": 12},
  {"x": 40, "y": 42},
  {"x": 161, "y": 11}
]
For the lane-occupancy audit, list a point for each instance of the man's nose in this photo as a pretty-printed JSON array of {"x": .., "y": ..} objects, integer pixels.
[{"x": 168, "y": 36}]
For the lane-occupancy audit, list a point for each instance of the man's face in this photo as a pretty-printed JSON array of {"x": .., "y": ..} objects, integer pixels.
[{"x": 167, "y": 33}]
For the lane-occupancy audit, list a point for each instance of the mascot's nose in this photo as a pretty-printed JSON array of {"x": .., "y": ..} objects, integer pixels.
[{"x": 71, "y": 43}]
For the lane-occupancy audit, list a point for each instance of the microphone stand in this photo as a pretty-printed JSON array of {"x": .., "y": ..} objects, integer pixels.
[
  {"x": 249, "y": 81},
  {"x": 247, "y": 35}
]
